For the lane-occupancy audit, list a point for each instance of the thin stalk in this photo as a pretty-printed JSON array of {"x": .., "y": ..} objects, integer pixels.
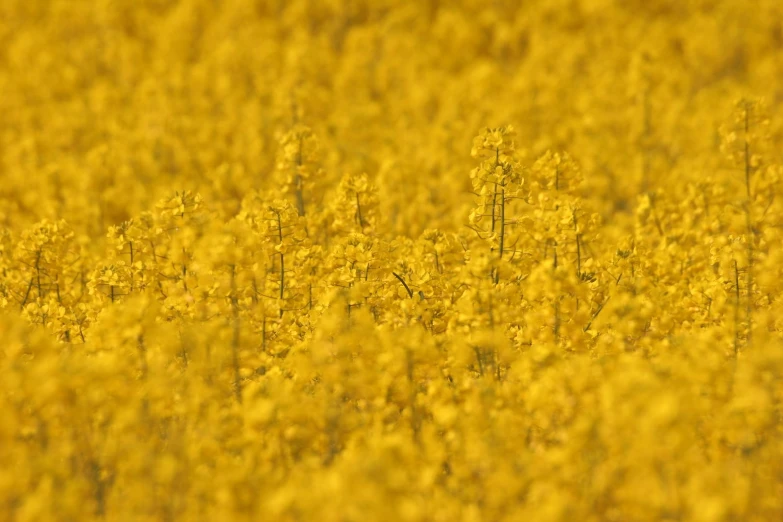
[
  {"x": 494, "y": 203},
  {"x": 502, "y": 218},
  {"x": 359, "y": 211},
  {"x": 749, "y": 277},
  {"x": 736, "y": 309},
  {"x": 38, "y": 273},
  {"x": 404, "y": 284},
  {"x": 495, "y": 194},
  {"x": 130, "y": 245},
  {"x": 479, "y": 360},
  {"x": 578, "y": 247},
  {"x": 749, "y": 225},
  {"x": 235, "y": 340},
  {"x": 298, "y": 181},
  {"x": 595, "y": 314},
  {"x": 282, "y": 264},
  {"x": 27, "y": 293}
]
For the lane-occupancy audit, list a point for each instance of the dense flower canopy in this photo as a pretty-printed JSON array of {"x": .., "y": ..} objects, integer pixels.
[{"x": 352, "y": 260}]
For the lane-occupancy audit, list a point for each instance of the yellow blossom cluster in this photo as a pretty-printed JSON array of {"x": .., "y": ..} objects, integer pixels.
[{"x": 386, "y": 260}]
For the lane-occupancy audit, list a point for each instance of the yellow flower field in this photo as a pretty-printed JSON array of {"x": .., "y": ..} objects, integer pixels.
[{"x": 388, "y": 260}]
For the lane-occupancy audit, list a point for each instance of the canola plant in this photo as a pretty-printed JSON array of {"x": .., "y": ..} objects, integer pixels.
[{"x": 388, "y": 260}]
